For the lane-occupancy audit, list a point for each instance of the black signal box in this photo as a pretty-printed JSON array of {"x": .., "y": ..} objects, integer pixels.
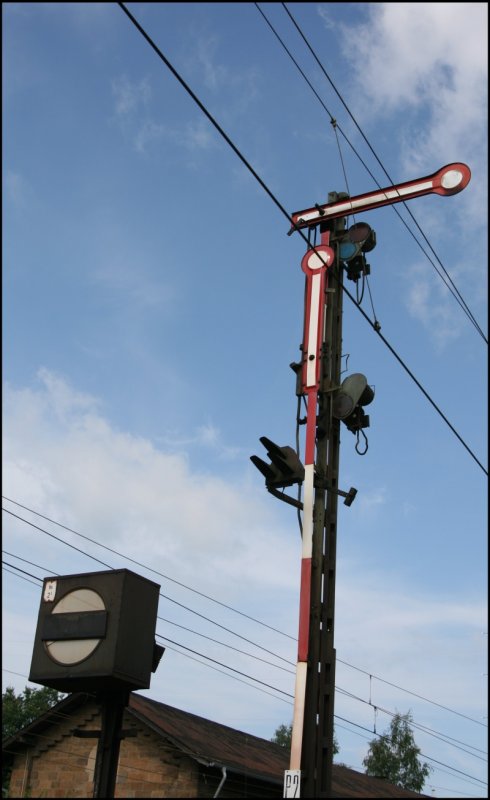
[{"x": 96, "y": 632}]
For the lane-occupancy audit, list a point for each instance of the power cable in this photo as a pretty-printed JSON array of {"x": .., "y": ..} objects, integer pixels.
[
  {"x": 165, "y": 596},
  {"x": 346, "y": 663},
  {"x": 156, "y": 572},
  {"x": 369, "y": 738},
  {"x": 131, "y": 767},
  {"x": 214, "y": 661},
  {"x": 287, "y": 694},
  {"x": 437, "y": 734},
  {"x": 334, "y": 122},
  {"x": 229, "y": 646},
  {"x": 39, "y": 566},
  {"x": 257, "y": 688},
  {"x": 19, "y": 576},
  {"x": 23, "y": 571},
  {"x": 472, "y": 777},
  {"x": 408, "y": 691},
  {"x": 418, "y": 726},
  {"x": 285, "y": 213},
  {"x": 454, "y": 290}
]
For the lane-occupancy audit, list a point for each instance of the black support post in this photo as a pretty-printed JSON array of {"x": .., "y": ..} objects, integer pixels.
[
  {"x": 112, "y": 712},
  {"x": 317, "y": 752}
]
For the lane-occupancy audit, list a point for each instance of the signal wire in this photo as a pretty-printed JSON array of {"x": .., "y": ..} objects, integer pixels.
[
  {"x": 420, "y": 697},
  {"x": 350, "y": 722},
  {"x": 156, "y": 572},
  {"x": 165, "y": 596},
  {"x": 424, "y": 728},
  {"x": 459, "y": 299},
  {"x": 336, "y": 127},
  {"x": 346, "y": 663},
  {"x": 429, "y": 731},
  {"x": 285, "y": 213},
  {"x": 472, "y": 777},
  {"x": 276, "y": 689}
]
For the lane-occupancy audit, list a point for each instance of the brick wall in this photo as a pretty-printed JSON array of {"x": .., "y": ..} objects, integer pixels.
[{"x": 58, "y": 764}]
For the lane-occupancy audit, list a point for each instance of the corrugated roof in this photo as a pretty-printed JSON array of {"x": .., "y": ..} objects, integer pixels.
[{"x": 212, "y": 743}]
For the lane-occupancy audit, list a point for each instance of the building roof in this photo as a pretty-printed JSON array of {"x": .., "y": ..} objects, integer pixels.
[
  {"x": 213, "y": 744},
  {"x": 210, "y": 742}
]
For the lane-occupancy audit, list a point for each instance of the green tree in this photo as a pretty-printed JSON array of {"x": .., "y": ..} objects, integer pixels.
[
  {"x": 394, "y": 756},
  {"x": 20, "y": 710},
  {"x": 283, "y": 734}
]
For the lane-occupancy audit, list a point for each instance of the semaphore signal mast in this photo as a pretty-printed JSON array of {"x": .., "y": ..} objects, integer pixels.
[{"x": 328, "y": 402}]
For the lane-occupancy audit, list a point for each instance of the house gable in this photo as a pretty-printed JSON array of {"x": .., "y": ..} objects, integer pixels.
[
  {"x": 166, "y": 752},
  {"x": 57, "y": 763}
]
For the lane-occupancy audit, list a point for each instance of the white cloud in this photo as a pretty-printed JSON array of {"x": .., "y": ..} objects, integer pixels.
[
  {"x": 407, "y": 52},
  {"x": 130, "y": 95},
  {"x": 60, "y": 451},
  {"x": 129, "y": 281},
  {"x": 17, "y": 189},
  {"x": 425, "y": 56},
  {"x": 428, "y": 301},
  {"x": 214, "y": 75},
  {"x": 413, "y": 635},
  {"x": 132, "y": 104},
  {"x": 148, "y": 133},
  {"x": 369, "y": 501},
  {"x": 66, "y": 460},
  {"x": 420, "y": 70},
  {"x": 237, "y": 89},
  {"x": 198, "y": 135},
  {"x": 207, "y": 436}
]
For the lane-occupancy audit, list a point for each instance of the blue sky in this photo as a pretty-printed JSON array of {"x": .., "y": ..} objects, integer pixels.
[{"x": 153, "y": 303}]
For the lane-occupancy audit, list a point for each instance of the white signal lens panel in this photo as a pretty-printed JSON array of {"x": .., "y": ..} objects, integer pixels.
[{"x": 72, "y": 651}]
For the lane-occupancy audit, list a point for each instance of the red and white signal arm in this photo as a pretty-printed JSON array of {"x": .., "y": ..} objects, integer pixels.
[{"x": 451, "y": 179}]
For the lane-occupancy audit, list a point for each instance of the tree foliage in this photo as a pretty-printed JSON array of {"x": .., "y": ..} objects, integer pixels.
[
  {"x": 22, "y": 709},
  {"x": 394, "y": 756},
  {"x": 283, "y": 735}
]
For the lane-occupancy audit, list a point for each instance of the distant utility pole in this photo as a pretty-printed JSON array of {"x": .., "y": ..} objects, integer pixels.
[{"x": 328, "y": 402}]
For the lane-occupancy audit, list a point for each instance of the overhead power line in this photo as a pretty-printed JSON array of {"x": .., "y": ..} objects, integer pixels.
[
  {"x": 449, "y": 282},
  {"x": 276, "y": 655},
  {"x": 442, "y": 737},
  {"x": 276, "y": 689},
  {"x": 164, "y": 596},
  {"x": 286, "y": 215},
  {"x": 423, "y": 755},
  {"x": 63, "y": 716},
  {"x": 408, "y": 691},
  {"x": 156, "y": 572}
]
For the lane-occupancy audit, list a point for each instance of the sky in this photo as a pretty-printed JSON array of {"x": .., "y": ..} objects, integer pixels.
[{"x": 152, "y": 304}]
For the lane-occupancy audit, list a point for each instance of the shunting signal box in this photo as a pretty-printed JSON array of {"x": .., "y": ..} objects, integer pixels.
[{"x": 96, "y": 632}]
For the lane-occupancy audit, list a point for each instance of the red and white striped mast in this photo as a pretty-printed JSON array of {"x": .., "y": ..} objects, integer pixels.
[
  {"x": 314, "y": 264},
  {"x": 315, "y": 671}
]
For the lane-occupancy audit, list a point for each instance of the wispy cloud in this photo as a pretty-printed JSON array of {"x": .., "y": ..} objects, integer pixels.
[
  {"x": 59, "y": 445},
  {"x": 205, "y": 436},
  {"x": 422, "y": 68},
  {"x": 148, "y": 133},
  {"x": 64, "y": 458},
  {"x": 129, "y": 95},
  {"x": 428, "y": 301},
  {"x": 17, "y": 189},
  {"x": 237, "y": 89},
  {"x": 429, "y": 57},
  {"x": 214, "y": 74},
  {"x": 141, "y": 124}
]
